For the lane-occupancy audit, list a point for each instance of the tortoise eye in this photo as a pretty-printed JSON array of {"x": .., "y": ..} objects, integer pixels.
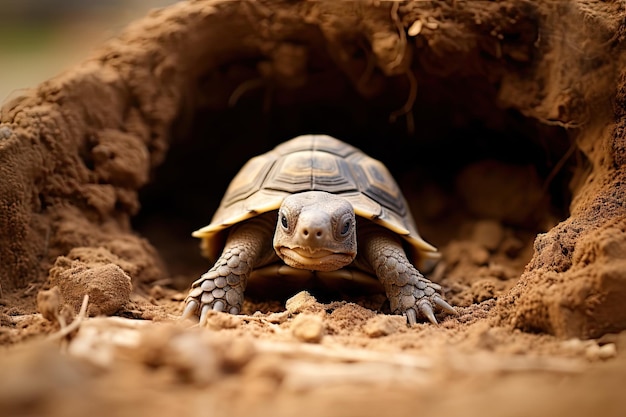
[
  {"x": 346, "y": 227},
  {"x": 283, "y": 221}
]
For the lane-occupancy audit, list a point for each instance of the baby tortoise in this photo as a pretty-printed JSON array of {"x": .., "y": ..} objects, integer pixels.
[{"x": 316, "y": 204}]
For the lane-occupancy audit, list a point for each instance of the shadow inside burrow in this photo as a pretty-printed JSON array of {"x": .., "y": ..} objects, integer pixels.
[{"x": 454, "y": 126}]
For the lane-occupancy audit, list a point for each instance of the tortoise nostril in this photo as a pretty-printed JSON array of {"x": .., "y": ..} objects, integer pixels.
[{"x": 308, "y": 233}]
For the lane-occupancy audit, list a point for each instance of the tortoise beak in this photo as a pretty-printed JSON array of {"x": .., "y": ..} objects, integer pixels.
[{"x": 317, "y": 260}]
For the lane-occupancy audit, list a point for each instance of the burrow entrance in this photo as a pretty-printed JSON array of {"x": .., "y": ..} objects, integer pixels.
[{"x": 459, "y": 156}]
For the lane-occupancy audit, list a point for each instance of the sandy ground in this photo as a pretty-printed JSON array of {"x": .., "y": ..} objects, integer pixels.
[
  {"x": 123, "y": 350},
  {"x": 305, "y": 357}
]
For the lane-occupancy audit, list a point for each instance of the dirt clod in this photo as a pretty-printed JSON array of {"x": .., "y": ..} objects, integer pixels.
[
  {"x": 49, "y": 303},
  {"x": 379, "y": 326},
  {"x": 300, "y": 302},
  {"x": 108, "y": 286},
  {"x": 308, "y": 328}
]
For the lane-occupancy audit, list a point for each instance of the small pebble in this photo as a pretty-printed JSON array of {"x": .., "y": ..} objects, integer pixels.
[
  {"x": 603, "y": 352},
  {"x": 383, "y": 325},
  {"x": 300, "y": 302},
  {"x": 308, "y": 328}
]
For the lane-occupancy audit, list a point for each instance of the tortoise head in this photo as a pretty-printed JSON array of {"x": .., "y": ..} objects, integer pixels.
[{"x": 316, "y": 230}]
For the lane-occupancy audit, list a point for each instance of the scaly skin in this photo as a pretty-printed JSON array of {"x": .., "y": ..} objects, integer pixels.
[
  {"x": 249, "y": 246},
  {"x": 408, "y": 291}
]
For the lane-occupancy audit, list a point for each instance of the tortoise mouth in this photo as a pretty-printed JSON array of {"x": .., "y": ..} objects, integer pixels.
[{"x": 318, "y": 260}]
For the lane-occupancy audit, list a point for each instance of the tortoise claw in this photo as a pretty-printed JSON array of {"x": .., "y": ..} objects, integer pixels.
[
  {"x": 411, "y": 317},
  {"x": 419, "y": 299},
  {"x": 442, "y": 304},
  {"x": 427, "y": 310},
  {"x": 204, "y": 314},
  {"x": 190, "y": 310}
]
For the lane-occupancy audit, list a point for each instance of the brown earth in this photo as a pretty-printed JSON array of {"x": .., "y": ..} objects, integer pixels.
[{"x": 502, "y": 121}]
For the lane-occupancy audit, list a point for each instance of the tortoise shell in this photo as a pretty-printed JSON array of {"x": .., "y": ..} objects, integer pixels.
[{"x": 321, "y": 163}]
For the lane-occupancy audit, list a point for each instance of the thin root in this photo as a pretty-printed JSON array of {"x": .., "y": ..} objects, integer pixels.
[
  {"x": 74, "y": 325},
  {"x": 402, "y": 46},
  {"x": 408, "y": 105},
  {"x": 243, "y": 88},
  {"x": 401, "y": 34},
  {"x": 559, "y": 165}
]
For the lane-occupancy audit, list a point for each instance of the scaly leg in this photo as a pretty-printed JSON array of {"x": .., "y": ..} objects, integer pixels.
[
  {"x": 408, "y": 291},
  {"x": 248, "y": 246}
]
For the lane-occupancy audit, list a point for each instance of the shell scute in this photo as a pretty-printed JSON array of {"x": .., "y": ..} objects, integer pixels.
[
  {"x": 250, "y": 179},
  {"x": 376, "y": 182}
]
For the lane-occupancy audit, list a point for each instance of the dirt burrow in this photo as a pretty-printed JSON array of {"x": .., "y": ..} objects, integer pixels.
[{"x": 502, "y": 121}]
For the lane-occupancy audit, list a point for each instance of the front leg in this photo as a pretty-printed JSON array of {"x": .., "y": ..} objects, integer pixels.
[
  {"x": 408, "y": 291},
  {"x": 248, "y": 246}
]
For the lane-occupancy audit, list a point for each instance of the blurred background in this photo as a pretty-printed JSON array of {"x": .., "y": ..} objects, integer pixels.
[{"x": 41, "y": 38}]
